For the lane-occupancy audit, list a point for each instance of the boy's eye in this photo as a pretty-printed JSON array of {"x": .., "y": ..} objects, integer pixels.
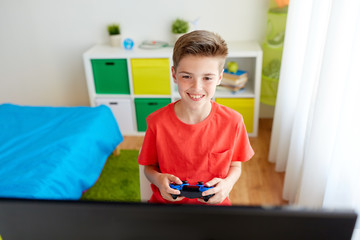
[
  {"x": 208, "y": 78},
  {"x": 185, "y": 76}
]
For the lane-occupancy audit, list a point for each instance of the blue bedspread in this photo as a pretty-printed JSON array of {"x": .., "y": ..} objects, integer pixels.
[{"x": 54, "y": 152}]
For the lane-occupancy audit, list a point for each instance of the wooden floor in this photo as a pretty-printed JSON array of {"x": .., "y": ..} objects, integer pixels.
[{"x": 259, "y": 184}]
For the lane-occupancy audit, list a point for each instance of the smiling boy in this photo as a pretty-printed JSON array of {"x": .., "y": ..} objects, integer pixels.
[{"x": 195, "y": 139}]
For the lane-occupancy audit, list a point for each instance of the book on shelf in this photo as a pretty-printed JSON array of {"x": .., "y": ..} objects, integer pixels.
[
  {"x": 239, "y": 82},
  {"x": 237, "y": 74},
  {"x": 240, "y": 74},
  {"x": 229, "y": 89},
  {"x": 234, "y": 81},
  {"x": 232, "y": 88}
]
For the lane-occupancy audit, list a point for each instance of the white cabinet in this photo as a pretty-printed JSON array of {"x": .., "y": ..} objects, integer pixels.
[
  {"x": 145, "y": 74},
  {"x": 123, "y": 112}
]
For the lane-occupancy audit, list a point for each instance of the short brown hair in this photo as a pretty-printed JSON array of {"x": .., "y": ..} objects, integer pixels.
[{"x": 200, "y": 43}]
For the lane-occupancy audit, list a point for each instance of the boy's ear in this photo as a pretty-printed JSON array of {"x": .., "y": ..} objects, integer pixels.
[
  {"x": 220, "y": 77},
  {"x": 173, "y": 74}
]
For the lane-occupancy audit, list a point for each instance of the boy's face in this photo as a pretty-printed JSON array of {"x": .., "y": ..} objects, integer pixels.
[{"x": 197, "y": 78}]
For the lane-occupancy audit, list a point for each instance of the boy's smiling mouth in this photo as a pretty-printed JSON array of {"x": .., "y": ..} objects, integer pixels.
[{"x": 196, "y": 97}]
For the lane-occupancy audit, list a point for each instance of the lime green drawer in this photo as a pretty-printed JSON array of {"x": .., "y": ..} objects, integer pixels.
[
  {"x": 151, "y": 76},
  {"x": 269, "y": 87},
  {"x": 245, "y": 106},
  {"x": 145, "y": 106},
  {"x": 110, "y": 76}
]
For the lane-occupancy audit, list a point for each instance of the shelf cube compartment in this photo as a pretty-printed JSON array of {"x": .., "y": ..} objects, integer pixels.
[
  {"x": 110, "y": 76},
  {"x": 122, "y": 111},
  {"x": 245, "y": 106},
  {"x": 145, "y": 106},
  {"x": 151, "y": 76}
]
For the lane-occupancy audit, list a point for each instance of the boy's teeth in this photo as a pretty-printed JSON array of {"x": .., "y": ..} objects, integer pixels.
[{"x": 195, "y": 96}]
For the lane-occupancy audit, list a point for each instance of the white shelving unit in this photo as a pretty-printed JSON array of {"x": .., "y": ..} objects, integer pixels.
[{"x": 248, "y": 55}]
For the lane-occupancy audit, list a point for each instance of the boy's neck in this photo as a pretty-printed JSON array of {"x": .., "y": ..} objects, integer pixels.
[{"x": 192, "y": 115}]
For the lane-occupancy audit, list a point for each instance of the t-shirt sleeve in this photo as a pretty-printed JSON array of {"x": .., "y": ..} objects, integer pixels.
[
  {"x": 242, "y": 148},
  {"x": 148, "y": 153}
]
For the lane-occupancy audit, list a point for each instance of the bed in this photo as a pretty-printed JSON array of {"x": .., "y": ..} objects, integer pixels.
[{"x": 54, "y": 152}]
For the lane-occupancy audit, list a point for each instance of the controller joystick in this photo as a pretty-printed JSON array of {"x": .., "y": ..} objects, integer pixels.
[{"x": 191, "y": 191}]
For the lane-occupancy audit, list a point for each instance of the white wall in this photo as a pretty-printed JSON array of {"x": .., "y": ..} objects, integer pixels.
[{"x": 42, "y": 41}]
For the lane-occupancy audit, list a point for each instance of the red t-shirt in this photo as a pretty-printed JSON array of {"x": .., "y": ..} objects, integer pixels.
[{"x": 194, "y": 152}]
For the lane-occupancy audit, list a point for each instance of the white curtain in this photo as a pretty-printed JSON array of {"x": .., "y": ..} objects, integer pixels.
[{"x": 316, "y": 129}]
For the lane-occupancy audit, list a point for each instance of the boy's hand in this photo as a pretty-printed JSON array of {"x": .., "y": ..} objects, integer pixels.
[
  {"x": 222, "y": 187},
  {"x": 164, "y": 181},
  {"x": 221, "y": 190}
]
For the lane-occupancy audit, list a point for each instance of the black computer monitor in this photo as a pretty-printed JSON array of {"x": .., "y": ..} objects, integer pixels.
[{"x": 70, "y": 220}]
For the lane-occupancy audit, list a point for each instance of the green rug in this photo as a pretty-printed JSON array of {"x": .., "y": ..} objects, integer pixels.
[{"x": 119, "y": 180}]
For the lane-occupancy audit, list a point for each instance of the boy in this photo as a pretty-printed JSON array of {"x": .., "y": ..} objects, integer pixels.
[{"x": 195, "y": 139}]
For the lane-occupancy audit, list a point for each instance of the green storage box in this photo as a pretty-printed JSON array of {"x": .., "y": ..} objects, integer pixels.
[
  {"x": 270, "y": 75},
  {"x": 110, "y": 76},
  {"x": 145, "y": 106},
  {"x": 276, "y": 25},
  {"x": 272, "y": 55},
  {"x": 269, "y": 87}
]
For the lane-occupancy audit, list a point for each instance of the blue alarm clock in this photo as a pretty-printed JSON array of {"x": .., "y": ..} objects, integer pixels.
[{"x": 128, "y": 43}]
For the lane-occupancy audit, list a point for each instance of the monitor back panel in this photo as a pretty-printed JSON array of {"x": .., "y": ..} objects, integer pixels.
[{"x": 67, "y": 220}]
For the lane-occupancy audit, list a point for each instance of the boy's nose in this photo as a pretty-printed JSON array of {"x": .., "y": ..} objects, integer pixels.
[{"x": 197, "y": 84}]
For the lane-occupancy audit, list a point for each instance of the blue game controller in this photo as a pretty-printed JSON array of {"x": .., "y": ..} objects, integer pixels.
[{"x": 191, "y": 191}]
